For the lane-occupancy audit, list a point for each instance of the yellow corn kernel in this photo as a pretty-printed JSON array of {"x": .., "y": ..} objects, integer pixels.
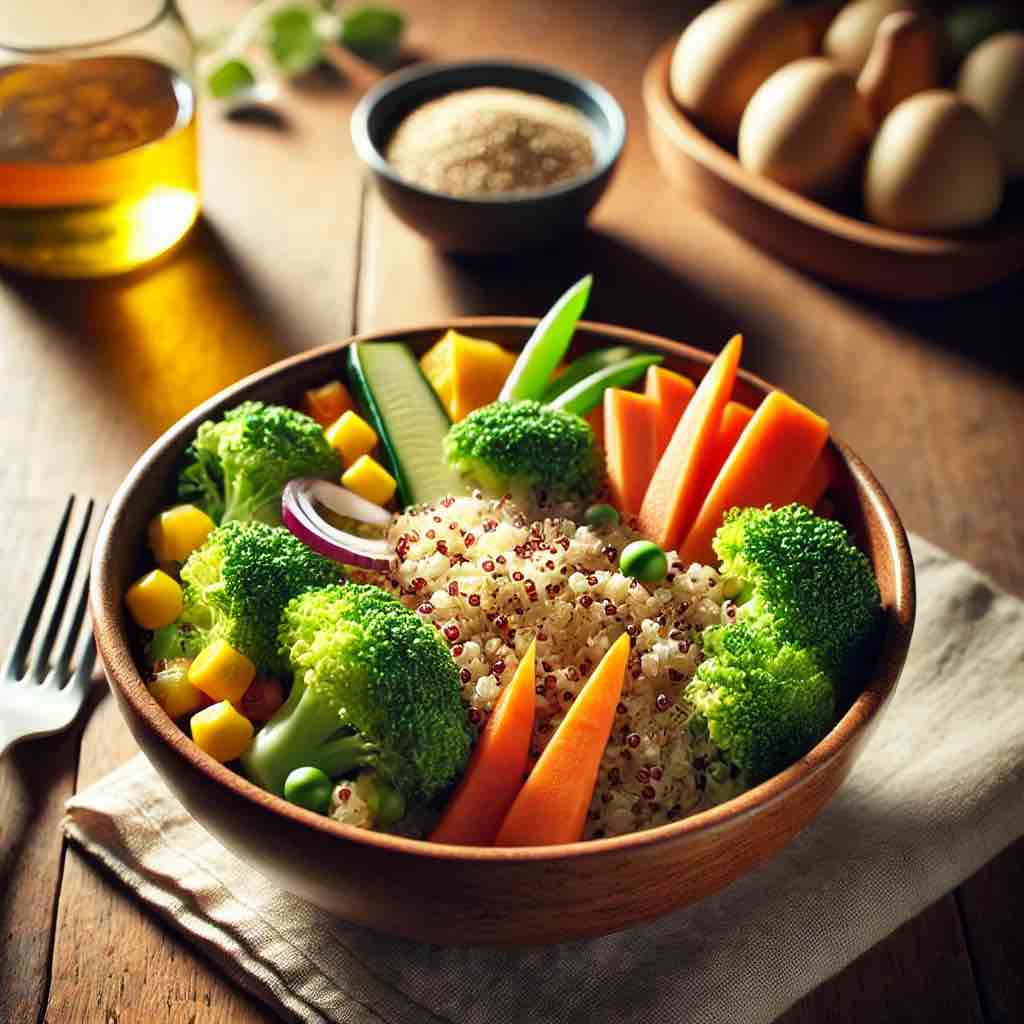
[
  {"x": 175, "y": 694},
  {"x": 352, "y": 437},
  {"x": 221, "y": 672},
  {"x": 221, "y": 731},
  {"x": 155, "y": 600},
  {"x": 176, "y": 533},
  {"x": 370, "y": 480}
]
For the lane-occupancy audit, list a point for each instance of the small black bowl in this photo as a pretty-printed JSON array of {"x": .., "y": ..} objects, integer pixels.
[{"x": 488, "y": 224}]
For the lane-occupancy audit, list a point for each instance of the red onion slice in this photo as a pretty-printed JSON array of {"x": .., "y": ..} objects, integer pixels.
[{"x": 299, "y": 514}]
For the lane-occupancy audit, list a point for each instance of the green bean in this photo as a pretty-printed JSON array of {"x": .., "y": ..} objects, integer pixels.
[
  {"x": 584, "y": 367},
  {"x": 585, "y": 394}
]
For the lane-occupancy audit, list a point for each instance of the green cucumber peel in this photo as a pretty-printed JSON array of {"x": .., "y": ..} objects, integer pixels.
[
  {"x": 585, "y": 366},
  {"x": 584, "y": 395},
  {"x": 547, "y": 345}
]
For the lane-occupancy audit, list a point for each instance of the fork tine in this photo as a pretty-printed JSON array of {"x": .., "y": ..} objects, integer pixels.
[
  {"x": 63, "y": 660},
  {"x": 86, "y": 663},
  {"x": 45, "y": 648},
  {"x": 28, "y": 625}
]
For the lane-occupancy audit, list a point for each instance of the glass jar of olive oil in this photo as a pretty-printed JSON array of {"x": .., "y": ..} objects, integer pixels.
[{"x": 98, "y": 162}]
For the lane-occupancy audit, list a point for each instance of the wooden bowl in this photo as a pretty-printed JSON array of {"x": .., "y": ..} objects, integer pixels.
[
  {"x": 447, "y": 894},
  {"x": 823, "y": 241},
  {"x": 499, "y": 223}
]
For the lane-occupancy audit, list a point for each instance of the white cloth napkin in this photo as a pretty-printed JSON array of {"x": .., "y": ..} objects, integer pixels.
[{"x": 936, "y": 794}]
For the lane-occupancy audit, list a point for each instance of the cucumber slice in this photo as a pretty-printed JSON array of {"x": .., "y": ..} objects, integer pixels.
[{"x": 410, "y": 422}]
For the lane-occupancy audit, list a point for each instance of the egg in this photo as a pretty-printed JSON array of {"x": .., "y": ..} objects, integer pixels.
[
  {"x": 933, "y": 166},
  {"x": 805, "y": 127},
  {"x": 991, "y": 79},
  {"x": 727, "y": 51},
  {"x": 851, "y": 32}
]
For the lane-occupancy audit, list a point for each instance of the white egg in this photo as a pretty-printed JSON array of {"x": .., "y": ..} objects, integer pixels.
[
  {"x": 851, "y": 32},
  {"x": 805, "y": 127},
  {"x": 991, "y": 79},
  {"x": 727, "y": 51},
  {"x": 934, "y": 166}
]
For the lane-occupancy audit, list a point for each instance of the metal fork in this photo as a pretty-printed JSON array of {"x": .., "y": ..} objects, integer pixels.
[{"x": 45, "y": 696}]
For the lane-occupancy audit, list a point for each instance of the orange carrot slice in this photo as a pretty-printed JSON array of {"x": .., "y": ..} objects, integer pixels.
[
  {"x": 735, "y": 417},
  {"x": 672, "y": 392},
  {"x": 552, "y": 806},
  {"x": 630, "y": 425},
  {"x": 596, "y": 420},
  {"x": 771, "y": 460},
  {"x": 673, "y": 497},
  {"x": 495, "y": 771},
  {"x": 822, "y": 475}
]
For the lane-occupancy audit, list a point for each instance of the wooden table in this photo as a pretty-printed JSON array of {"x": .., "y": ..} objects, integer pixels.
[{"x": 294, "y": 250}]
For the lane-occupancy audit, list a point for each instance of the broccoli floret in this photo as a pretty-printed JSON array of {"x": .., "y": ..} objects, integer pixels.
[
  {"x": 374, "y": 687},
  {"x": 237, "y": 467},
  {"x": 803, "y": 576},
  {"x": 508, "y": 446},
  {"x": 236, "y": 586},
  {"x": 762, "y": 703}
]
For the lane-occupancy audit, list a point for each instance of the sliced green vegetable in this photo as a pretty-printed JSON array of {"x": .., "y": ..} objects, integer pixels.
[
  {"x": 410, "y": 422},
  {"x": 230, "y": 78},
  {"x": 585, "y": 394},
  {"x": 547, "y": 345},
  {"x": 293, "y": 40},
  {"x": 584, "y": 367},
  {"x": 372, "y": 32}
]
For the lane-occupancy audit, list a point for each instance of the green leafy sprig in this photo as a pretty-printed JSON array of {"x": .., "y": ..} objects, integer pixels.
[{"x": 294, "y": 36}]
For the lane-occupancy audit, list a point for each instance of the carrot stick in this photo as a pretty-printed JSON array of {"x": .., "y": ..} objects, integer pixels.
[
  {"x": 673, "y": 498},
  {"x": 495, "y": 771},
  {"x": 735, "y": 417},
  {"x": 822, "y": 475},
  {"x": 768, "y": 465},
  {"x": 630, "y": 424},
  {"x": 672, "y": 392},
  {"x": 552, "y": 806}
]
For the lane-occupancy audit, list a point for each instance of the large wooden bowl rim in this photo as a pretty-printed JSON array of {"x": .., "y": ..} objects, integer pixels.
[
  {"x": 115, "y": 648},
  {"x": 685, "y": 135}
]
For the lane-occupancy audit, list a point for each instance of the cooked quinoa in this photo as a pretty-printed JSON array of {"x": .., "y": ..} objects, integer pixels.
[{"x": 491, "y": 580}]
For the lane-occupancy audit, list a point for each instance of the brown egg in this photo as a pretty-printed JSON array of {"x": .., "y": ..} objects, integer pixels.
[
  {"x": 727, "y": 51},
  {"x": 851, "y": 32},
  {"x": 991, "y": 79},
  {"x": 805, "y": 127},
  {"x": 934, "y": 166}
]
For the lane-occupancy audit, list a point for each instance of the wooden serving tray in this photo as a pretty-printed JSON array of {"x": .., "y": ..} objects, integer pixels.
[{"x": 832, "y": 245}]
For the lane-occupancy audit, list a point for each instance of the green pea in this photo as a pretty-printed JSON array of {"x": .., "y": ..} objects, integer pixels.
[
  {"x": 309, "y": 788},
  {"x": 644, "y": 560},
  {"x": 601, "y": 515}
]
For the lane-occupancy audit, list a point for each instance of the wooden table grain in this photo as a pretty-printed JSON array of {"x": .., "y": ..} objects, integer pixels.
[{"x": 294, "y": 250}]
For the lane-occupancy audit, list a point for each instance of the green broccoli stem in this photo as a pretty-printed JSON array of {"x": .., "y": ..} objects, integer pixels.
[
  {"x": 305, "y": 732},
  {"x": 262, "y": 506}
]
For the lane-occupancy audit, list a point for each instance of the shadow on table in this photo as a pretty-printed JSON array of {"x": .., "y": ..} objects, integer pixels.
[
  {"x": 983, "y": 326},
  {"x": 167, "y": 336},
  {"x": 630, "y": 288}
]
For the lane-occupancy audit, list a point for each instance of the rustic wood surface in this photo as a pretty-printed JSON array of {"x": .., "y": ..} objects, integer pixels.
[{"x": 293, "y": 251}]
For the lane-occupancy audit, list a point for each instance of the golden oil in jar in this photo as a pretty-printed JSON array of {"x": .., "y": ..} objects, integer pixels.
[{"x": 98, "y": 164}]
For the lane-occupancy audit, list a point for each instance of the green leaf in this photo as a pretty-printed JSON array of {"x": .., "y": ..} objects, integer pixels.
[
  {"x": 371, "y": 32},
  {"x": 293, "y": 40},
  {"x": 229, "y": 78}
]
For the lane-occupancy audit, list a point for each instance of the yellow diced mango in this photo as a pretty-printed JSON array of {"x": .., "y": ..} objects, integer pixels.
[
  {"x": 155, "y": 600},
  {"x": 352, "y": 437},
  {"x": 175, "y": 694},
  {"x": 466, "y": 373},
  {"x": 370, "y": 480},
  {"x": 176, "y": 533},
  {"x": 221, "y": 731},
  {"x": 221, "y": 672},
  {"x": 327, "y": 403}
]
